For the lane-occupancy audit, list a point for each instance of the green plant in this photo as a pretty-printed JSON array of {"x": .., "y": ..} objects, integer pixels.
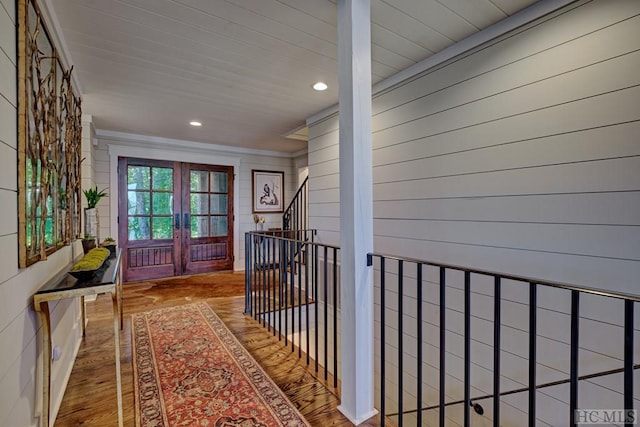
[
  {"x": 93, "y": 196},
  {"x": 109, "y": 239}
]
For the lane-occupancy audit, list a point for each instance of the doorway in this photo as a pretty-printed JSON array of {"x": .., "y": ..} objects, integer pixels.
[{"x": 174, "y": 218}]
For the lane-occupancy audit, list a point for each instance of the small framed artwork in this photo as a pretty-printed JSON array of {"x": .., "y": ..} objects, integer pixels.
[{"x": 268, "y": 191}]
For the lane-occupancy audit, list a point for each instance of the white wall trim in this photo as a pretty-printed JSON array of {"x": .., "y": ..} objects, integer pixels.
[
  {"x": 523, "y": 17},
  {"x": 117, "y": 149},
  {"x": 302, "y": 152},
  {"x": 129, "y": 138}
]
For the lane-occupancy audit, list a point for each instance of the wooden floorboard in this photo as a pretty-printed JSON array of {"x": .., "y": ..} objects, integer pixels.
[{"x": 90, "y": 397}]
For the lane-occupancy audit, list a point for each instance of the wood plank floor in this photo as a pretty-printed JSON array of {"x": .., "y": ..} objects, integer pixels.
[{"x": 90, "y": 397}]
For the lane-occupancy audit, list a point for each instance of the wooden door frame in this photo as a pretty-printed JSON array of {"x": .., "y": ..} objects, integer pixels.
[
  {"x": 123, "y": 214},
  {"x": 187, "y": 265},
  {"x": 176, "y": 150}
]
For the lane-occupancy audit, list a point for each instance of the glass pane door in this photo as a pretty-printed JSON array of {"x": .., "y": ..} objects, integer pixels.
[
  {"x": 210, "y": 209},
  {"x": 174, "y": 218},
  {"x": 147, "y": 204}
]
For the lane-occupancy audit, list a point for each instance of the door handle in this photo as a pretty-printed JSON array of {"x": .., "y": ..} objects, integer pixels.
[
  {"x": 186, "y": 222},
  {"x": 177, "y": 221}
]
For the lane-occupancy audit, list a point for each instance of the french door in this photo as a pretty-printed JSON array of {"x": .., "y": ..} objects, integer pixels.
[{"x": 174, "y": 218}]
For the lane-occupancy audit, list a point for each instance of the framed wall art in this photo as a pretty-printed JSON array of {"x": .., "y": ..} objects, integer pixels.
[
  {"x": 49, "y": 142},
  {"x": 268, "y": 191}
]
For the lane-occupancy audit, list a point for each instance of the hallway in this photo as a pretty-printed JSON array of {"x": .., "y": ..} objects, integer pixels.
[{"x": 90, "y": 395}]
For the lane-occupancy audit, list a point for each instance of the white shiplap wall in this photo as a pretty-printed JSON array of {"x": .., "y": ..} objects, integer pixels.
[
  {"x": 247, "y": 160},
  {"x": 19, "y": 325},
  {"x": 520, "y": 156}
]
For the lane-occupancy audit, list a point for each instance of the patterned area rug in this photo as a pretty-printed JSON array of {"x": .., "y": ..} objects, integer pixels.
[{"x": 189, "y": 370}]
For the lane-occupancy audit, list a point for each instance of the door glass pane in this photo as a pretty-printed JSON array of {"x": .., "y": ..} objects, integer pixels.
[
  {"x": 199, "y": 204},
  {"x": 162, "y": 203},
  {"x": 162, "y": 227},
  {"x": 138, "y": 203},
  {"x": 199, "y": 226},
  {"x": 199, "y": 181},
  {"x": 138, "y": 228},
  {"x": 138, "y": 177},
  {"x": 218, "y": 204},
  {"x": 218, "y": 226},
  {"x": 162, "y": 178},
  {"x": 218, "y": 182}
]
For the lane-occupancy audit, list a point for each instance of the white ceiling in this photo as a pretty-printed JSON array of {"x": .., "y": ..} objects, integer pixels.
[{"x": 244, "y": 68}]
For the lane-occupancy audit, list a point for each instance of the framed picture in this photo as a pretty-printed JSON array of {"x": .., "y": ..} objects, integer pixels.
[{"x": 268, "y": 191}]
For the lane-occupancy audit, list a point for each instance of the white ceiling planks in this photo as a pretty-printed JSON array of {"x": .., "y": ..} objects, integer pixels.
[{"x": 242, "y": 67}]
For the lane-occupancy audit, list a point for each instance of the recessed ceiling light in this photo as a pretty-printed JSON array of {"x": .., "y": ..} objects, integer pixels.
[
  {"x": 195, "y": 123},
  {"x": 320, "y": 86}
]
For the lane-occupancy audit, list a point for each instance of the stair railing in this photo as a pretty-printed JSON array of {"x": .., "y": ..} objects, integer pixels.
[
  {"x": 296, "y": 216},
  {"x": 424, "y": 317},
  {"x": 294, "y": 296}
]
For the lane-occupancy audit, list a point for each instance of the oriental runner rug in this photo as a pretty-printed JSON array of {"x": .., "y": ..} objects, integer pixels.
[{"x": 189, "y": 370}]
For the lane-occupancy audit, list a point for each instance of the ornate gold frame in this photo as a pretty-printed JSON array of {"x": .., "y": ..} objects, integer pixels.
[{"x": 49, "y": 143}]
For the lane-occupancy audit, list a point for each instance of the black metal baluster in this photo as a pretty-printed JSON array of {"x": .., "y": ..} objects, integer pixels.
[
  {"x": 628, "y": 361},
  {"x": 443, "y": 353},
  {"x": 255, "y": 276},
  {"x": 263, "y": 256},
  {"x": 247, "y": 276},
  {"x": 306, "y": 296},
  {"x": 496, "y": 351},
  {"x": 419, "y": 341},
  {"x": 300, "y": 260},
  {"x": 400, "y": 329},
  {"x": 281, "y": 284},
  {"x": 274, "y": 274},
  {"x": 292, "y": 294},
  {"x": 315, "y": 298},
  {"x": 287, "y": 264},
  {"x": 573, "y": 370},
  {"x": 467, "y": 348},
  {"x": 326, "y": 314},
  {"x": 533, "y": 297},
  {"x": 268, "y": 272}
]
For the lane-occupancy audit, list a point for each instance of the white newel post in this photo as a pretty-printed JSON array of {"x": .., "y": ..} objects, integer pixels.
[{"x": 356, "y": 211}]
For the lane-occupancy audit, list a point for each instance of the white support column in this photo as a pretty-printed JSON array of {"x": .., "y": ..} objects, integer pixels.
[{"x": 356, "y": 211}]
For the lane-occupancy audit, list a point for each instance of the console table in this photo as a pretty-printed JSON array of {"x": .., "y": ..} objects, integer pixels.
[{"x": 106, "y": 280}]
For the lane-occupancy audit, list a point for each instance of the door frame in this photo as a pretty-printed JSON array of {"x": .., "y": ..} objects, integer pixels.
[{"x": 175, "y": 153}]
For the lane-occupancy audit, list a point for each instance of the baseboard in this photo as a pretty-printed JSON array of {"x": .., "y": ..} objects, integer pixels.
[{"x": 357, "y": 420}]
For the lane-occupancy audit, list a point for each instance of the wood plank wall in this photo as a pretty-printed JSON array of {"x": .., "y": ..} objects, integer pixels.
[
  {"x": 19, "y": 324},
  {"x": 521, "y": 156}
]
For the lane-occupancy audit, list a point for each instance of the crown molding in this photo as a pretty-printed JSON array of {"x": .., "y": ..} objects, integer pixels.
[
  {"x": 137, "y": 139},
  {"x": 299, "y": 153},
  {"x": 523, "y": 17}
]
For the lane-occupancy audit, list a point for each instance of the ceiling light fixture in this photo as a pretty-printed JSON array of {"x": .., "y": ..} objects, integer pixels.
[
  {"x": 320, "y": 86},
  {"x": 195, "y": 123}
]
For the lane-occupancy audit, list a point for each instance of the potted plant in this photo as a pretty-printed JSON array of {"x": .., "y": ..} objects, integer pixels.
[
  {"x": 109, "y": 243},
  {"x": 93, "y": 196},
  {"x": 88, "y": 243}
]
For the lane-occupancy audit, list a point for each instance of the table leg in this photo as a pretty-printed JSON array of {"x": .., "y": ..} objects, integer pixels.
[
  {"x": 116, "y": 331},
  {"x": 45, "y": 319},
  {"x": 119, "y": 291},
  {"x": 83, "y": 311}
]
